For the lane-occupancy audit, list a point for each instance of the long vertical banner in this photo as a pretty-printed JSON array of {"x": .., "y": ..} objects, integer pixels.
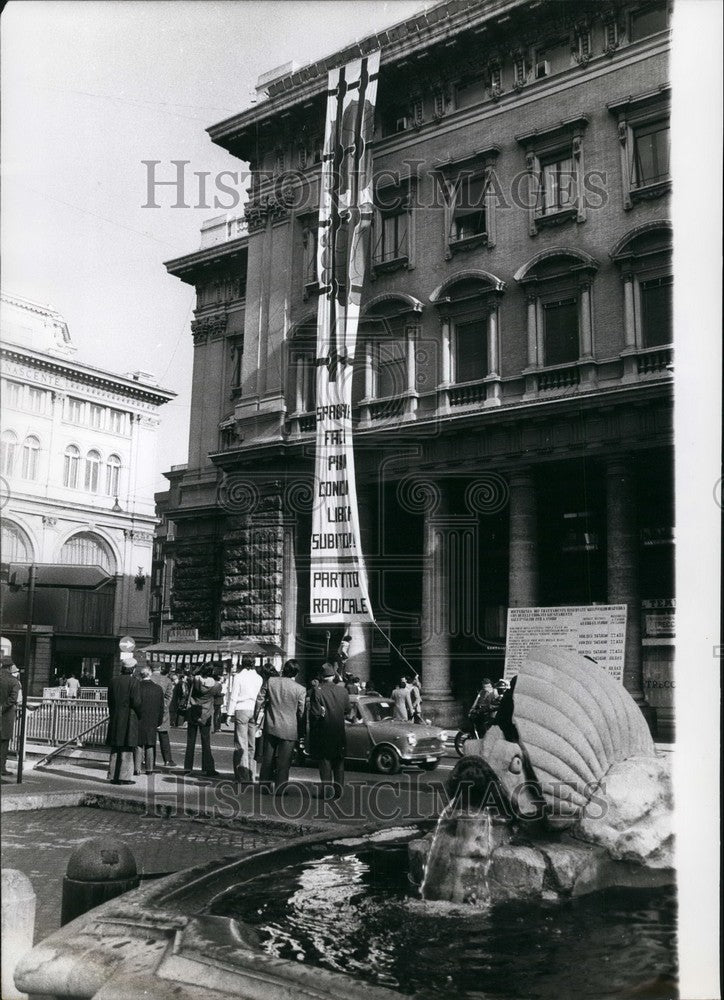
[{"x": 339, "y": 589}]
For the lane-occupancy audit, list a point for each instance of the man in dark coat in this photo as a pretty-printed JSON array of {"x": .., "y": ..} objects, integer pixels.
[
  {"x": 10, "y": 694},
  {"x": 124, "y": 709},
  {"x": 329, "y": 705},
  {"x": 150, "y": 718}
]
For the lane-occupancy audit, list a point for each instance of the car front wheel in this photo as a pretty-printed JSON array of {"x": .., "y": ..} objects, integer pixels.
[{"x": 385, "y": 760}]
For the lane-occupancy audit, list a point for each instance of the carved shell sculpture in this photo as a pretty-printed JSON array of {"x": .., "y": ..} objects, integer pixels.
[{"x": 574, "y": 721}]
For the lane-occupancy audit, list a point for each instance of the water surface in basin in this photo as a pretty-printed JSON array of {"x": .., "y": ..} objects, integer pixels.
[{"x": 354, "y": 911}]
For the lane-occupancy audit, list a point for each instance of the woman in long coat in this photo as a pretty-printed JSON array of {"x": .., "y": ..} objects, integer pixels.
[{"x": 124, "y": 709}]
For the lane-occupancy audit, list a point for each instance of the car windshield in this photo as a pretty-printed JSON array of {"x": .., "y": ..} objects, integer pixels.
[{"x": 376, "y": 711}]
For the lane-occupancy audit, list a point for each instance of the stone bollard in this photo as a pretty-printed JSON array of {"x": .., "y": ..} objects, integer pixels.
[
  {"x": 98, "y": 870},
  {"x": 18, "y": 926}
]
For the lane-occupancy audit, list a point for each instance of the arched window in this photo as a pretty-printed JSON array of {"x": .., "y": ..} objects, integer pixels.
[
  {"x": 92, "y": 471},
  {"x": 71, "y": 467},
  {"x": 644, "y": 257},
  {"x": 113, "y": 475},
  {"x": 557, "y": 284},
  {"x": 16, "y": 546},
  {"x": 384, "y": 380},
  {"x": 9, "y": 452},
  {"x": 87, "y": 549},
  {"x": 31, "y": 450},
  {"x": 468, "y": 306}
]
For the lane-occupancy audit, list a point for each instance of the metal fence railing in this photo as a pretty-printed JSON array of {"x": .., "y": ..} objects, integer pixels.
[
  {"x": 54, "y": 721},
  {"x": 84, "y": 694}
]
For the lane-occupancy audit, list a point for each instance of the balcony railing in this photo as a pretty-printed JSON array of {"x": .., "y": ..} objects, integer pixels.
[
  {"x": 467, "y": 394},
  {"x": 386, "y": 409},
  {"x": 559, "y": 378},
  {"x": 655, "y": 360}
]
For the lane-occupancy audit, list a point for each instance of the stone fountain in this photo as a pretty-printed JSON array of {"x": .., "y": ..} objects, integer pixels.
[{"x": 563, "y": 796}]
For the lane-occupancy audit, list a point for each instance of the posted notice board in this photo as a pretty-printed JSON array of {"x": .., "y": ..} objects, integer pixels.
[{"x": 597, "y": 631}]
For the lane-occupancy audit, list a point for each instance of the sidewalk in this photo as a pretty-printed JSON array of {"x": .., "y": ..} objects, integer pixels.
[{"x": 39, "y": 843}]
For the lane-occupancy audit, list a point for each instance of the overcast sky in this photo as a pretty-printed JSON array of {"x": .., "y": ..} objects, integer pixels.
[{"x": 90, "y": 90}]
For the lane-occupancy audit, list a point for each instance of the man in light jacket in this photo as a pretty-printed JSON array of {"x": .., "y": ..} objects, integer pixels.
[
  {"x": 283, "y": 701},
  {"x": 161, "y": 678},
  {"x": 240, "y": 707}
]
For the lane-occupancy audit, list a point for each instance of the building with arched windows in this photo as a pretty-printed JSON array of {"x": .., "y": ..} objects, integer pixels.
[
  {"x": 513, "y": 372},
  {"x": 78, "y": 450}
]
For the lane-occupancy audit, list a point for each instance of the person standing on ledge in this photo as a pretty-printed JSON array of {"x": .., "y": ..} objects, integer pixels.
[
  {"x": 151, "y": 717},
  {"x": 124, "y": 710},
  {"x": 200, "y": 715},
  {"x": 10, "y": 697},
  {"x": 329, "y": 705},
  {"x": 160, "y": 677},
  {"x": 282, "y": 701},
  {"x": 239, "y": 710}
]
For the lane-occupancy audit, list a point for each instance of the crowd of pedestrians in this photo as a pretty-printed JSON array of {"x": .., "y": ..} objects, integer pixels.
[{"x": 270, "y": 714}]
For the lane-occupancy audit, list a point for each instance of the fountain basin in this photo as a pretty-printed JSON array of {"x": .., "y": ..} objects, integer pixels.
[{"x": 327, "y": 918}]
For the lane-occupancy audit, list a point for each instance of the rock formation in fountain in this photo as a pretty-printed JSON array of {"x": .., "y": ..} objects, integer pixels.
[{"x": 568, "y": 782}]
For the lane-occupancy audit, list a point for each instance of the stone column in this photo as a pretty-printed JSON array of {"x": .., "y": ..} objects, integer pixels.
[
  {"x": 493, "y": 361},
  {"x": 586, "y": 346},
  {"x": 629, "y": 352},
  {"x": 532, "y": 331},
  {"x": 523, "y": 547},
  {"x": 443, "y": 396},
  {"x": 438, "y": 700},
  {"x": 623, "y": 565},
  {"x": 411, "y": 388},
  {"x": 493, "y": 393},
  {"x": 369, "y": 390},
  {"x": 629, "y": 323}
]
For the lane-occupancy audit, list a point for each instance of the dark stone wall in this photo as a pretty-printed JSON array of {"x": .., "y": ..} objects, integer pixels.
[
  {"x": 253, "y": 564},
  {"x": 196, "y": 585}
]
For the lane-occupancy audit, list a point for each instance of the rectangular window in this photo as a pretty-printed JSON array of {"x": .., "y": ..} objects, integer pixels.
[
  {"x": 36, "y": 400},
  {"x": 557, "y": 185},
  {"x": 76, "y": 410},
  {"x": 470, "y": 92},
  {"x": 469, "y": 216},
  {"x": 657, "y": 311},
  {"x": 95, "y": 416},
  {"x": 561, "y": 332},
  {"x": 471, "y": 354},
  {"x": 391, "y": 368},
  {"x": 391, "y": 242},
  {"x": 651, "y": 153},
  {"x": 13, "y": 394},
  {"x": 116, "y": 421},
  {"x": 648, "y": 21}
]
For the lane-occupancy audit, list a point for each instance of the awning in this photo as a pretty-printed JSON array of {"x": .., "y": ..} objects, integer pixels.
[{"x": 209, "y": 651}]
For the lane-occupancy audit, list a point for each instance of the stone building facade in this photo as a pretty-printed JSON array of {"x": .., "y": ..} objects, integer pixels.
[
  {"x": 78, "y": 453},
  {"x": 513, "y": 379}
]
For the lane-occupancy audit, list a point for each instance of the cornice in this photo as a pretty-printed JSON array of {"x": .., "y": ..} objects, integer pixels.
[
  {"x": 188, "y": 267},
  {"x": 398, "y": 43},
  {"x": 85, "y": 374}
]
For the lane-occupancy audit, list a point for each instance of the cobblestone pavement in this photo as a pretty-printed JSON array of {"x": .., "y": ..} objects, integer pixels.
[{"x": 39, "y": 843}]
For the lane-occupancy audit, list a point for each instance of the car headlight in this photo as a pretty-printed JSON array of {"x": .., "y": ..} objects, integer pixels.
[{"x": 412, "y": 739}]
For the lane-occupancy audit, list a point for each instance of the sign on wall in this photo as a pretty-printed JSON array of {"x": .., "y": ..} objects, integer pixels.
[
  {"x": 180, "y": 634},
  {"x": 338, "y": 580},
  {"x": 597, "y": 631}
]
